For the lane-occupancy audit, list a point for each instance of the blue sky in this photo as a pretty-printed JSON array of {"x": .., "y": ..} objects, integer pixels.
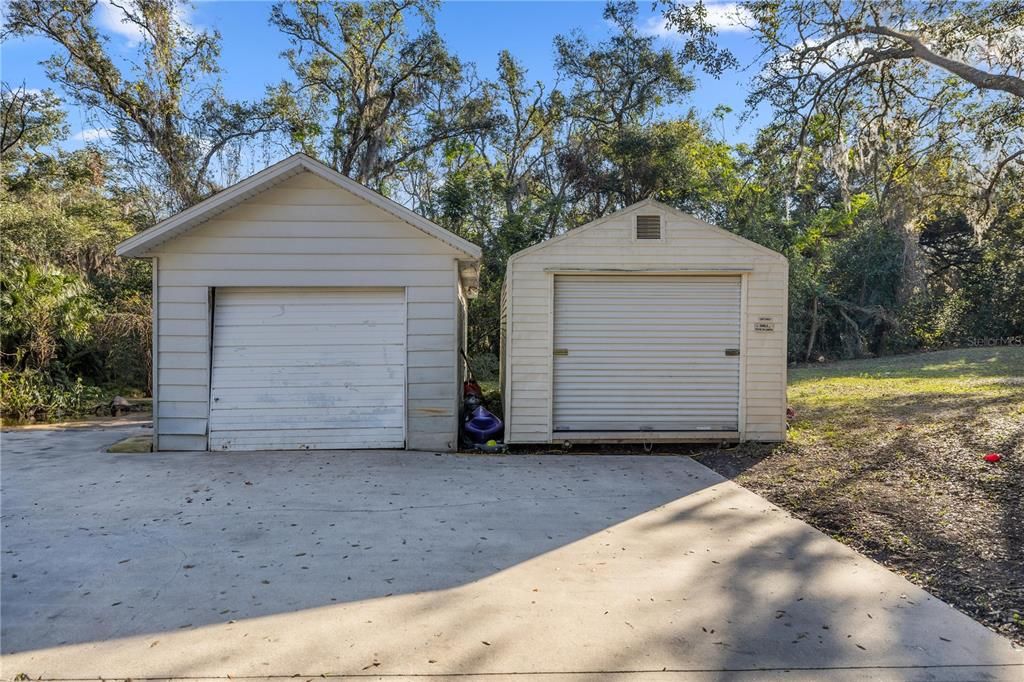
[{"x": 475, "y": 31}]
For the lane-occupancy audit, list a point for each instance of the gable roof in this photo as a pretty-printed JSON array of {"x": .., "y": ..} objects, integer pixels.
[
  {"x": 238, "y": 193},
  {"x": 656, "y": 205}
]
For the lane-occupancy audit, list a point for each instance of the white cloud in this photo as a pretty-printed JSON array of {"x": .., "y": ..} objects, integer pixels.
[
  {"x": 92, "y": 135},
  {"x": 728, "y": 17},
  {"x": 112, "y": 19},
  {"x": 725, "y": 17}
]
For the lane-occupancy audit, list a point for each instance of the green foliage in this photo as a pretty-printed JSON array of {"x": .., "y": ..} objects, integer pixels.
[
  {"x": 975, "y": 287},
  {"x": 31, "y": 394},
  {"x": 690, "y": 20},
  {"x": 371, "y": 95},
  {"x": 43, "y": 311},
  {"x": 73, "y": 315},
  {"x": 892, "y": 186},
  {"x": 485, "y": 367},
  {"x": 624, "y": 79},
  {"x": 164, "y": 106},
  {"x": 31, "y": 119}
]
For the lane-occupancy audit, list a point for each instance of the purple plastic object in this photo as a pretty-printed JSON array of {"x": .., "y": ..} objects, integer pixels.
[{"x": 482, "y": 426}]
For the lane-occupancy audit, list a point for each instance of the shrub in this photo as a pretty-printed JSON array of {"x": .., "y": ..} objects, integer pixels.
[
  {"x": 484, "y": 366},
  {"x": 30, "y": 394}
]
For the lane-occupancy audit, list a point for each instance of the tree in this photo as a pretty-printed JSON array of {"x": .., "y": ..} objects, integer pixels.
[
  {"x": 902, "y": 79},
  {"x": 624, "y": 79},
  {"x": 673, "y": 161},
  {"x": 166, "y": 110},
  {"x": 690, "y": 19},
  {"x": 532, "y": 114},
  {"x": 42, "y": 308},
  {"x": 30, "y": 120},
  {"x": 69, "y": 305},
  {"x": 618, "y": 85},
  {"x": 66, "y": 211},
  {"x": 494, "y": 188},
  {"x": 885, "y": 114},
  {"x": 370, "y": 95},
  {"x": 848, "y": 37}
]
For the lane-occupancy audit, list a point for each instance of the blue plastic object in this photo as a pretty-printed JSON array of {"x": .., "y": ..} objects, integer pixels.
[{"x": 482, "y": 426}]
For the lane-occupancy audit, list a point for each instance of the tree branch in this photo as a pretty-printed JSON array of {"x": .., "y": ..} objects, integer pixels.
[{"x": 978, "y": 77}]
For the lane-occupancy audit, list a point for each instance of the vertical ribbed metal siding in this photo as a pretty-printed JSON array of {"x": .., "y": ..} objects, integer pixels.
[{"x": 646, "y": 353}]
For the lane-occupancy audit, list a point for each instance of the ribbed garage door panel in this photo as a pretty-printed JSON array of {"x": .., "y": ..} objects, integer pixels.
[
  {"x": 646, "y": 353},
  {"x": 308, "y": 369}
]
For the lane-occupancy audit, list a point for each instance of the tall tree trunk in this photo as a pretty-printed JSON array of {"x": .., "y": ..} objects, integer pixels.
[
  {"x": 811, "y": 337},
  {"x": 912, "y": 277}
]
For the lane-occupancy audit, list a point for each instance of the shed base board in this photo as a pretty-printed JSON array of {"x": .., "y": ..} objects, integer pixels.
[{"x": 645, "y": 437}]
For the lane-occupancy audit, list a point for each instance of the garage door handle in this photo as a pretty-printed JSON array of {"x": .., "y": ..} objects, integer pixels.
[
  {"x": 732, "y": 351},
  {"x": 561, "y": 351}
]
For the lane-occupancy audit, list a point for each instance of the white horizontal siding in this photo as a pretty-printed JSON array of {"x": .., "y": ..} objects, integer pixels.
[
  {"x": 687, "y": 245},
  {"x": 282, "y": 209},
  {"x": 314, "y": 246},
  {"x": 176, "y": 442},
  {"x": 305, "y": 232},
  {"x": 271, "y": 262},
  {"x": 276, "y": 231},
  {"x": 230, "y": 277}
]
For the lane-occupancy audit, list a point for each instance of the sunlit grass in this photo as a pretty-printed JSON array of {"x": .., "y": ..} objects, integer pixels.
[{"x": 868, "y": 387}]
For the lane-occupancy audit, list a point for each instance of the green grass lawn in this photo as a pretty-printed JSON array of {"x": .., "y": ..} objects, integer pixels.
[
  {"x": 927, "y": 393},
  {"x": 887, "y": 456}
]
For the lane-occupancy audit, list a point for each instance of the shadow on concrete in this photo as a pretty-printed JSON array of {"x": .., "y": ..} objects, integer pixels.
[
  {"x": 415, "y": 564},
  {"x": 902, "y": 480},
  {"x": 99, "y": 545}
]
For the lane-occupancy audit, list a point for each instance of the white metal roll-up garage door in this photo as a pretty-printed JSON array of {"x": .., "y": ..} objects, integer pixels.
[
  {"x": 640, "y": 353},
  {"x": 297, "y": 369}
]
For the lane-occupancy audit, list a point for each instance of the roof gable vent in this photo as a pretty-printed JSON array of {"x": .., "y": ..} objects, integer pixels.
[{"x": 648, "y": 227}]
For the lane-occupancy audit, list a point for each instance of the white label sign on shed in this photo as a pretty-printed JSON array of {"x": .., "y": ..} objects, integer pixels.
[{"x": 301, "y": 369}]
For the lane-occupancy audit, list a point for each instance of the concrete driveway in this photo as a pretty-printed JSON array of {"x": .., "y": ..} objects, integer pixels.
[{"x": 395, "y": 564}]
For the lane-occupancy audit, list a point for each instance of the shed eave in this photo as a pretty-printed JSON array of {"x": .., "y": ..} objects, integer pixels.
[{"x": 469, "y": 275}]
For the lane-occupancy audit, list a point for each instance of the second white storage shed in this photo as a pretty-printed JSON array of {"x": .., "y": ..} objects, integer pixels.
[{"x": 645, "y": 325}]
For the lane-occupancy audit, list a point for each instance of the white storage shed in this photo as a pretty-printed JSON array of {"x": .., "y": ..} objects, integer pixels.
[
  {"x": 645, "y": 325},
  {"x": 298, "y": 309}
]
